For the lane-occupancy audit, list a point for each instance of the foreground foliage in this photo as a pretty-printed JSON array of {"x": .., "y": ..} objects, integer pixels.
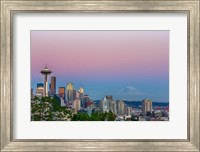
[
  {"x": 49, "y": 109},
  {"x": 96, "y": 116}
]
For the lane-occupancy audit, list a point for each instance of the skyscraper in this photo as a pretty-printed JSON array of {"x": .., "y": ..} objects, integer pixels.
[
  {"x": 61, "y": 92},
  {"x": 86, "y": 98},
  {"x": 39, "y": 92},
  {"x": 45, "y": 72},
  {"x": 77, "y": 95},
  {"x": 109, "y": 97},
  {"x": 101, "y": 105},
  {"x": 74, "y": 94},
  {"x": 113, "y": 106},
  {"x": 81, "y": 90},
  {"x": 69, "y": 93},
  {"x": 77, "y": 104},
  {"x": 53, "y": 86},
  {"x": 40, "y": 85},
  {"x": 146, "y": 107},
  {"x": 104, "y": 105},
  {"x": 81, "y": 95},
  {"x": 128, "y": 111},
  {"x": 121, "y": 108}
]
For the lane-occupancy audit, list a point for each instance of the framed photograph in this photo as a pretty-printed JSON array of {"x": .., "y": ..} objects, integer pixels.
[
  {"x": 106, "y": 75},
  {"x": 100, "y": 75}
]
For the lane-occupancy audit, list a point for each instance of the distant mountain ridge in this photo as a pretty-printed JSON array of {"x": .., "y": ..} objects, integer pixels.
[{"x": 139, "y": 103}]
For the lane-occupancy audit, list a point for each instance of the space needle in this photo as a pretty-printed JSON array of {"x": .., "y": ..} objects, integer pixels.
[{"x": 45, "y": 72}]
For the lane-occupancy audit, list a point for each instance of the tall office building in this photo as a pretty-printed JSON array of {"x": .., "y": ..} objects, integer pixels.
[
  {"x": 69, "y": 93},
  {"x": 101, "y": 105},
  {"x": 53, "y": 86},
  {"x": 81, "y": 90},
  {"x": 40, "y": 85},
  {"x": 104, "y": 105},
  {"x": 128, "y": 111},
  {"x": 146, "y": 107},
  {"x": 77, "y": 95},
  {"x": 61, "y": 92},
  {"x": 81, "y": 95},
  {"x": 108, "y": 97},
  {"x": 49, "y": 87},
  {"x": 62, "y": 102},
  {"x": 77, "y": 104},
  {"x": 86, "y": 98},
  {"x": 39, "y": 92},
  {"x": 74, "y": 94},
  {"x": 121, "y": 108},
  {"x": 113, "y": 107},
  {"x": 89, "y": 106}
]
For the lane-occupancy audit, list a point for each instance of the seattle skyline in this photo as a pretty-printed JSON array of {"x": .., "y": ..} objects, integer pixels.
[{"x": 130, "y": 65}]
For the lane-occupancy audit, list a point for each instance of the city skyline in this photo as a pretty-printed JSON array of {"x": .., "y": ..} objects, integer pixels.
[{"x": 113, "y": 63}]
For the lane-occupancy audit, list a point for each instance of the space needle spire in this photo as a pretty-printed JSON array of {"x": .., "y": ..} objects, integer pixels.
[{"x": 45, "y": 72}]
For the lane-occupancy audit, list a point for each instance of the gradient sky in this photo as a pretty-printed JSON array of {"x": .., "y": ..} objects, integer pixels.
[{"x": 130, "y": 65}]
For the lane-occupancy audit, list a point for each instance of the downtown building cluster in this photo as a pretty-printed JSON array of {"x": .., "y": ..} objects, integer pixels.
[{"x": 77, "y": 101}]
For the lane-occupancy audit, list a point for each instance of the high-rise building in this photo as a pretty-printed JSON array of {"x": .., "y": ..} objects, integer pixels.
[
  {"x": 86, "y": 98},
  {"x": 81, "y": 95},
  {"x": 89, "y": 106},
  {"x": 77, "y": 95},
  {"x": 61, "y": 92},
  {"x": 40, "y": 85},
  {"x": 74, "y": 94},
  {"x": 109, "y": 97},
  {"x": 121, "y": 108},
  {"x": 77, "y": 104},
  {"x": 49, "y": 87},
  {"x": 113, "y": 107},
  {"x": 62, "y": 102},
  {"x": 81, "y": 90},
  {"x": 104, "y": 105},
  {"x": 101, "y": 105},
  {"x": 128, "y": 111},
  {"x": 69, "y": 93},
  {"x": 45, "y": 72},
  {"x": 39, "y": 92},
  {"x": 146, "y": 107},
  {"x": 53, "y": 86}
]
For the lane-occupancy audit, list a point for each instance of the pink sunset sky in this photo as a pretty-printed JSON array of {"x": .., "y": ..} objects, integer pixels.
[{"x": 105, "y": 62}]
